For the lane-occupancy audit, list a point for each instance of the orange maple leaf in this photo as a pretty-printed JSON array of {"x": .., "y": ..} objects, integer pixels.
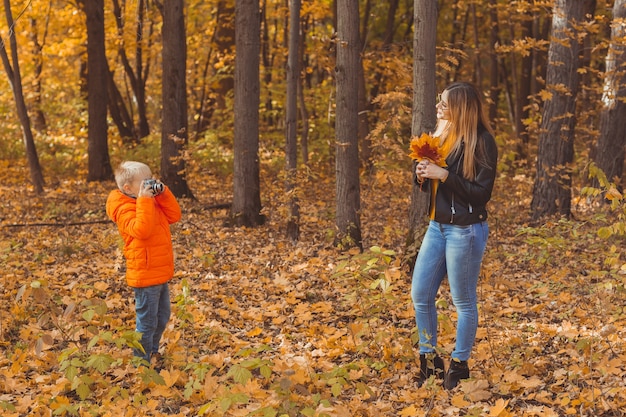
[{"x": 427, "y": 147}]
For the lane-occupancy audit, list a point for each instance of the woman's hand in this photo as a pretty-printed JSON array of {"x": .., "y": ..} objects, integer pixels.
[{"x": 426, "y": 169}]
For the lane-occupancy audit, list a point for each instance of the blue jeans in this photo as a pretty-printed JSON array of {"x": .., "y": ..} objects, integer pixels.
[
  {"x": 152, "y": 307},
  {"x": 458, "y": 252}
]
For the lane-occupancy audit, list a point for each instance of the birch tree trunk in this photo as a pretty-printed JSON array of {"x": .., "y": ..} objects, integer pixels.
[{"x": 609, "y": 150}]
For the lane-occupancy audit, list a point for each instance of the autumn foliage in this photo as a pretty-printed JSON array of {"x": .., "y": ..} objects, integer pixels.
[
  {"x": 429, "y": 148},
  {"x": 263, "y": 327}
]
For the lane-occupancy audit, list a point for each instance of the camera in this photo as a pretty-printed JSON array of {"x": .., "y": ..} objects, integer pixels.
[{"x": 155, "y": 187}]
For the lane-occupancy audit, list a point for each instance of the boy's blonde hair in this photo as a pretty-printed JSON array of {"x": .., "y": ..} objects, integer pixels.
[{"x": 129, "y": 170}]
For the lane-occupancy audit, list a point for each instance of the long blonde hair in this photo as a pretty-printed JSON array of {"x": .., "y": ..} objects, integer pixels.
[{"x": 466, "y": 118}]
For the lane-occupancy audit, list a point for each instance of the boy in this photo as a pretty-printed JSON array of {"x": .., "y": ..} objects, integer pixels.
[{"x": 143, "y": 210}]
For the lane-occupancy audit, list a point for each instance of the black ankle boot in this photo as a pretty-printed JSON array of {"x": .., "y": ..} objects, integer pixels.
[
  {"x": 458, "y": 370},
  {"x": 430, "y": 364}
]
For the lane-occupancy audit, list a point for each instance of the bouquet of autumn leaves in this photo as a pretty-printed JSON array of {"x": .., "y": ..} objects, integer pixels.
[{"x": 429, "y": 148}]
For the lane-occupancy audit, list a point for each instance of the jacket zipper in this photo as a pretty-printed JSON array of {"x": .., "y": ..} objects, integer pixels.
[{"x": 452, "y": 209}]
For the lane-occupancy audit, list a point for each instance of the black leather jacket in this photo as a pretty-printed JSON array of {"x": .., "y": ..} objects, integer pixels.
[{"x": 460, "y": 201}]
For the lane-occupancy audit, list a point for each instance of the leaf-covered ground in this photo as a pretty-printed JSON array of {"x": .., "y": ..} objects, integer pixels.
[{"x": 264, "y": 327}]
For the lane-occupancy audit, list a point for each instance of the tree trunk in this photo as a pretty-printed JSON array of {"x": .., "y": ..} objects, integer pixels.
[
  {"x": 291, "y": 151},
  {"x": 363, "y": 130},
  {"x": 204, "y": 108},
  {"x": 174, "y": 119},
  {"x": 15, "y": 79},
  {"x": 211, "y": 90},
  {"x": 121, "y": 111},
  {"x": 225, "y": 44},
  {"x": 348, "y": 198},
  {"x": 424, "y": 112},
  {"x": 246, "y": 208},
  {"x": 304, "y": 113},
  {"x": 512, "y": 81},
  {"x": 494, "y": 39},
  {"x": 609, "y": 150},
  {"x": 541, "y": 31},
  {"x": 365, "y": 144},
  {"x": 478, "y": 72},
  {"x": 39, "y": 118},
  {"x": 552, "y": 187},
  {"x": 459, "y": 27},
  {"x": 99, "y": 165},
  {"x": 456, "y": 29},
  {"x": 267, "y": 59},
  {"x": 523, "y": 93},
  {"x": 142, "y": 127},
  {"x": 390, "y": 29}
]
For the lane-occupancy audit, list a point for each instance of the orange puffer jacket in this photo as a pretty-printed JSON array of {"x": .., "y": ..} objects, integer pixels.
[{"x": 144, "y": 224}]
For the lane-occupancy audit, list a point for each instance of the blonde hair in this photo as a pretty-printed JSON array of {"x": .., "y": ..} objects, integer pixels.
[
  {"x": 466, "y": 117},
  {"x": 130, "y": 170}
]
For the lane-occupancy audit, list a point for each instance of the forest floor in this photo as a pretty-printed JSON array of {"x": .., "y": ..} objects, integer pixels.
[{"x": 264, "y": 327}]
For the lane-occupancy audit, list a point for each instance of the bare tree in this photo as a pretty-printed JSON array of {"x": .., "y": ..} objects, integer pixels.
[
  {"x": 522, "y": 96},
  {"x": 348, "y": 198},
  {"x": 224, "y": 52},
  {"x": 609, "y": 150},
  {"x": 246, "y": 208},
  {"x": 174, "y": 132},
  {"x": 291, "y": 151},
  {"x": 37, "y": 42},
  {"x": 269, "y": 52},
  {"x": 304, "y": 113},
  {"x": 552, "y": 187},
  {"x": 478, "y": 72},
  {"x": 136, "y": 75},
  {"x": 204, "y": 101},
  {"x": 119, "y": 112},
  {"x": 424, "y": 96},
  {"x": 494, "y": 39},
  {"x": 366, "y": 104},
  {"x": 365, "y": 143},
  {"x": 15, "y": 79}
]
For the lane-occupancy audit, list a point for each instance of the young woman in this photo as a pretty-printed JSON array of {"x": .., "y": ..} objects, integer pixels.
[{"x": 456, "y": 237}]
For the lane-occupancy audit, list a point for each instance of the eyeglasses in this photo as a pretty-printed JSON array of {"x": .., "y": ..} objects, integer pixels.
[{"x": 440, "y": 101}]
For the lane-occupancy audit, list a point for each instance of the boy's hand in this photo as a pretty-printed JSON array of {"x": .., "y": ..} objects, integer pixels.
[{"x": 145, "y": 190}]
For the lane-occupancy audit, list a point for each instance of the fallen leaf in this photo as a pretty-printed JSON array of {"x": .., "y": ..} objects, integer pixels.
[{"x": 476, "y": 390}]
